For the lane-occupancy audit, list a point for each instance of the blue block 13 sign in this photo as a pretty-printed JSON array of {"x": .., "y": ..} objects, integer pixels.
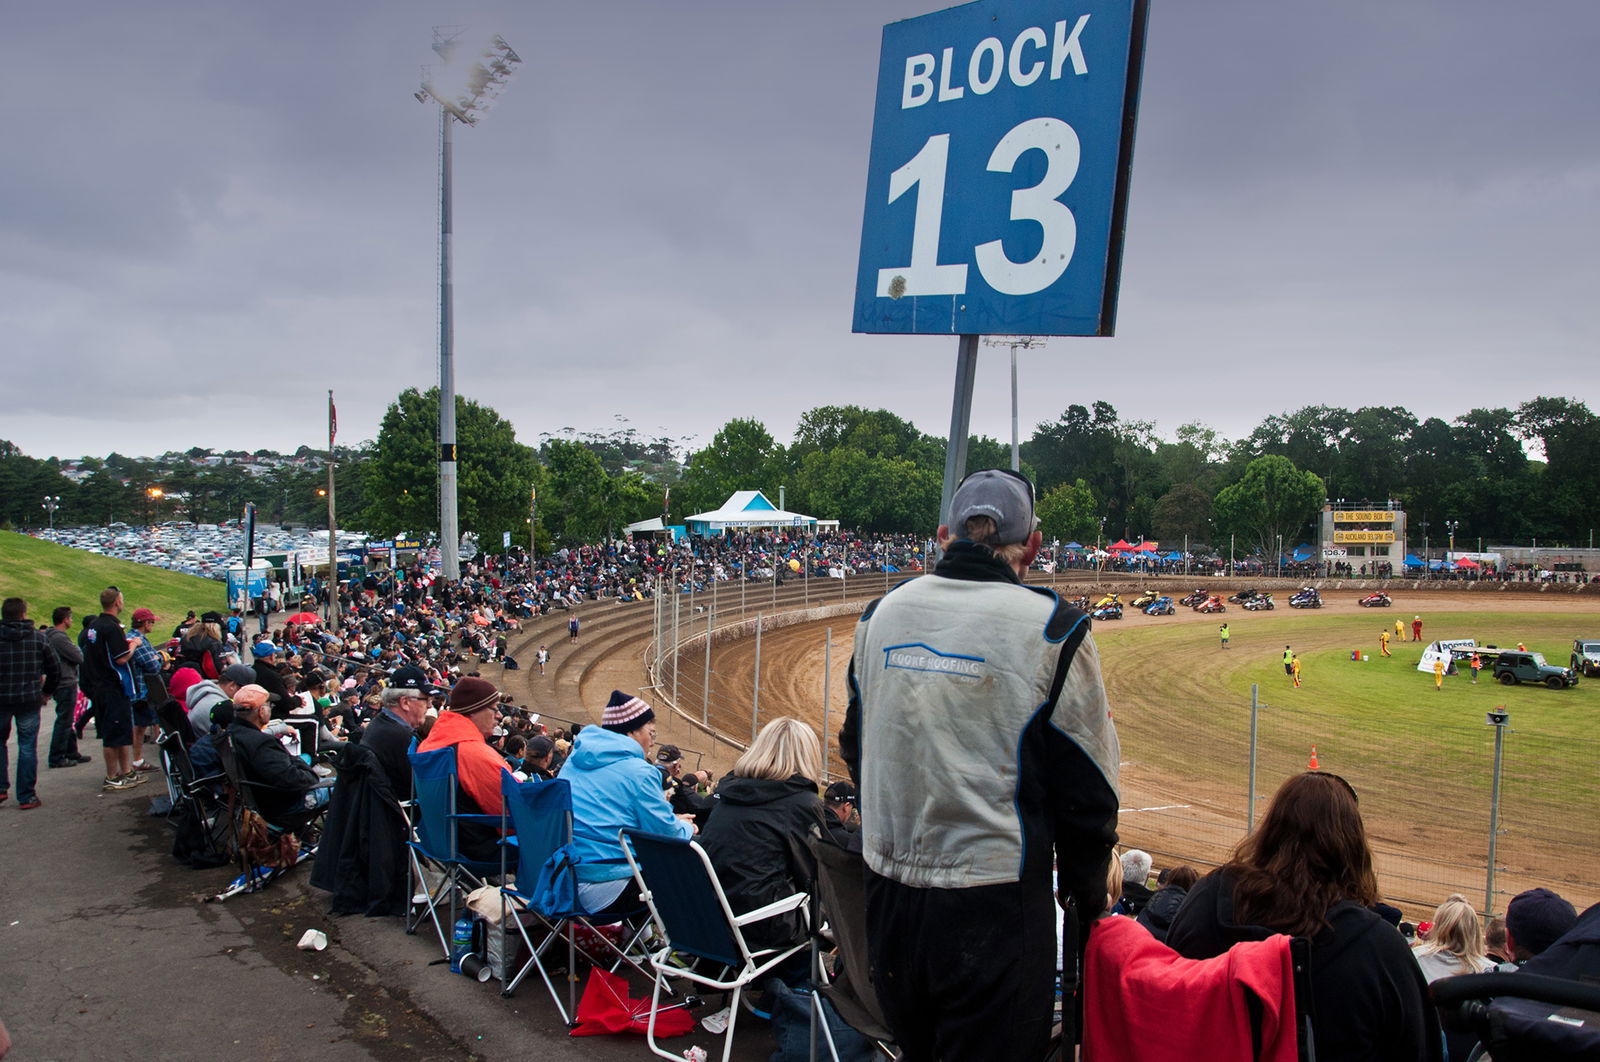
[{"x": 998, "y": 180}]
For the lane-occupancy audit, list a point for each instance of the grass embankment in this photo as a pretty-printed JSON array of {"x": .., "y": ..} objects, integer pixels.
[{"x": 47, "y": 575}]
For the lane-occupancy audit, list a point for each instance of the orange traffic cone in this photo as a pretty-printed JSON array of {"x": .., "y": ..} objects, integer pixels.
[{"x": 1313, "y": 765}]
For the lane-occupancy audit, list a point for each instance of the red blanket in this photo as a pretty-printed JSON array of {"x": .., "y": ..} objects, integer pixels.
[{"x": 1145, "y": 1002}]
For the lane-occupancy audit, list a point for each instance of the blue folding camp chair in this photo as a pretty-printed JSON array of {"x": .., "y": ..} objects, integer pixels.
[
  {"x": 539, "y": 821},
  {"x": 437, "y": 842},
  {"x": 692, "y": 914}
]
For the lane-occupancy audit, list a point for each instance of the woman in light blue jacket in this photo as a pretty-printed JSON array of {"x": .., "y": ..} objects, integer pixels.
[{"x": 615, "y": 786}]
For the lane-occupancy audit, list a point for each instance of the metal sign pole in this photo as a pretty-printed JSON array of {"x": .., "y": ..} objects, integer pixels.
[{"x": 955, "y": 453}]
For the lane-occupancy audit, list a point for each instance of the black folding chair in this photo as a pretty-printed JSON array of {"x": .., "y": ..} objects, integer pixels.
[
  {"x": 692, "y": 914},
  {"x": 242, "y": 796}
]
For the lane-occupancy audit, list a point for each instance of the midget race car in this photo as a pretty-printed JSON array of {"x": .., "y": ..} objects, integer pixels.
[
  {"x": 1161, "y": 606},
  {"x": 1306, "y": 597},
  {"x": 1376, "y": 599}
]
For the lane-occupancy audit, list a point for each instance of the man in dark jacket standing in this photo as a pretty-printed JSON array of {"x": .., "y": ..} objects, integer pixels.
[
  {"x": 63, "y": 736},
  {"x": 29, "y": 673},
  {"x": 980, "y": 739}
]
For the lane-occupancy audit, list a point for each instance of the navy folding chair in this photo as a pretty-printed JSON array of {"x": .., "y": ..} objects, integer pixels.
[
  {"x": 691, "y": 912},
  {"x": 539, "y": 817},
  {"x": 436, "y": 825}
]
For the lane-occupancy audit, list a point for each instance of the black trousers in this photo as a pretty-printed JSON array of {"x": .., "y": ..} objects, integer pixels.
[{"x": 964, "y": 975}]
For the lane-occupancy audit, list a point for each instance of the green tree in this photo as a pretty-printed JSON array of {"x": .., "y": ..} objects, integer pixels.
[
  {"x": 576, "y": 501},
  {"x": 1271, "y": 501},
  {"x": 1080, "y": 444},
  {"x": 1068, "y": 512},
  {"x": 1183, "y": 510},
  {"x": 871, "y": 493},
  {"x": 742, "y": 456},
  {"x": 494, "y": 472}
]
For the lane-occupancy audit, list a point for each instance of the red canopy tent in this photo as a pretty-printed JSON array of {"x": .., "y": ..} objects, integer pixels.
[
  {"x": 1120, "y": 545},
  {"x": 1467, "y": 562},
  {"x": 1147, "y": 547}
]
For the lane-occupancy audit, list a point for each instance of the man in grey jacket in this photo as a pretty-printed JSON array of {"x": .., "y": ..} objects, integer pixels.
[
  {"x": 63, "y": 736},
  {"x": 980, "y": 738}
]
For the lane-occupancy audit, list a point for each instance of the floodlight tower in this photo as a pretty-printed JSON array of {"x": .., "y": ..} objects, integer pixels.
[
  {"x": 467, "y": 87},
  {"x": 1014, "y": 342}
]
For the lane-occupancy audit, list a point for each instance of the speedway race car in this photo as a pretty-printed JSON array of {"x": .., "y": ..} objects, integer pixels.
[
  {"x": 1111, "y": 611},
  {"x": 1109, "y": 599},
  {"x": 1376, "y": 599},
  {"x": 1306, "y": 597},
  {"x": 1161, "y": 606},
  {"x": 1192, "y": 599},
  {"x": 1144, "y": 599},
  {"x": 1243, "y": 595},
  {"x": 1259, "y": 603},
  {"x": 1211, "y": 604}
]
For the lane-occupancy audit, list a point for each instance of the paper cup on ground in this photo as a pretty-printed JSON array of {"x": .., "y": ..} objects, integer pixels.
[{"x": 313, "y": 940}]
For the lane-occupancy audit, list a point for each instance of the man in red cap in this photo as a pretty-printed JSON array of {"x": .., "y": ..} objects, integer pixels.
[
  {"x": 149, "y": 687},
  {"x": 468, "y": 718}
]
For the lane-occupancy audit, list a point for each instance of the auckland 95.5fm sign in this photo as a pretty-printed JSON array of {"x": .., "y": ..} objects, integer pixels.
[{"x": 998, "y": 180}]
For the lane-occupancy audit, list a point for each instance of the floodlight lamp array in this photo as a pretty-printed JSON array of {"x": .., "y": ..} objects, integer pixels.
[{"x": 473, "y": 87}]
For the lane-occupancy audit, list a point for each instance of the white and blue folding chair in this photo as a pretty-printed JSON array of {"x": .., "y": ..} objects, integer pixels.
[{"x": 691, "y": 912}]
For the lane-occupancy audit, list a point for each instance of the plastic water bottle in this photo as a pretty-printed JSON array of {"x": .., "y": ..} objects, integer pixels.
[{"x": 460, "y": 941}]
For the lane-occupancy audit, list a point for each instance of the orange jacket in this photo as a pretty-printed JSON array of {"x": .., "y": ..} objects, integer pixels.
[{"x": 478, "y": 767}]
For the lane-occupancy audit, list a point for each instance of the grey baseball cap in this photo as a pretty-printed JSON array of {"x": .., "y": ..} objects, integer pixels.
[{"x": 1000, "y": 494}]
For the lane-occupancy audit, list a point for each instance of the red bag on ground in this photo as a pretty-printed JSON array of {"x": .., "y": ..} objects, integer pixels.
[{"x": 606, "y": 1007}]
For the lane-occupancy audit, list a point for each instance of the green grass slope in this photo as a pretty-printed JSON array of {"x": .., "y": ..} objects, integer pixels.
[{"x": 47, "y": 575}]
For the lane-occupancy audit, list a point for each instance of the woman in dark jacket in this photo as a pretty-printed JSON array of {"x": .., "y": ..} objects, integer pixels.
[
  {"x": 1307, "y": 871},
  {"x": 1172, "y": 886},
  {"x": 769, "y": 797}
]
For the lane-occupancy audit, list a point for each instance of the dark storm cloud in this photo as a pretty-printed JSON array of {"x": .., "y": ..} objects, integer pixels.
[{"x": 230, "y": 204}]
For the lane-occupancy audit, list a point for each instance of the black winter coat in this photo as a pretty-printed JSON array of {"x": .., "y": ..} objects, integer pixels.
[
  {"x": 1163, "y": 906},
  {"x": 281, "y": 780},
  {"x": 362, "y": 856},
  {"x": 748, "y": 840},
  {"x": 1369, "y": 999}
]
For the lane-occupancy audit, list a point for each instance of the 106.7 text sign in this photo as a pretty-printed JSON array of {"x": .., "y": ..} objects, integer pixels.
[{"x": 998, "y": 175}]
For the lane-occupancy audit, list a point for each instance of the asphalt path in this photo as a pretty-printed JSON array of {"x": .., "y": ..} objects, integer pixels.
[{"x": 107, "y": 951}]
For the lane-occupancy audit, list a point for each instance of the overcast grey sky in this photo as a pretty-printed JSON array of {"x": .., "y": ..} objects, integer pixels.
[{"x": 213, "y": 212}]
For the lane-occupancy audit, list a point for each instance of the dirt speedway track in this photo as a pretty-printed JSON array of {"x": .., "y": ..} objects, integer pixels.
[{"x": 1182, "y": 808}]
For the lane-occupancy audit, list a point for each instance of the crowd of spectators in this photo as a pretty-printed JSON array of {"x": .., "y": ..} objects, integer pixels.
[{"x": 404, "y": 666}]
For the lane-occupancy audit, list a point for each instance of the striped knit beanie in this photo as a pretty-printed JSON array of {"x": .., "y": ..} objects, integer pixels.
[{"x": 625, "y": 714}]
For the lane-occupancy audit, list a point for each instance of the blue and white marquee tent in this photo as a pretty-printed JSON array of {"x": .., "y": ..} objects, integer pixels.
[{"x": 750, "y": 509}]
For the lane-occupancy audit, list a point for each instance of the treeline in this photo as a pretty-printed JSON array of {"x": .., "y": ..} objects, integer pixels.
[{"x": 1501, "y": 475}]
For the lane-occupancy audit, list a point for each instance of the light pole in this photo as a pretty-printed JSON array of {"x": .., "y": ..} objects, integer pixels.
[
  {"x": 1014, "y": 342},
  {"x": 1280, "y": 557},
  {"x": 1450, "y": 526},
  {"x": 476, "y": 84},
  {"x": 52, "y": 502}
]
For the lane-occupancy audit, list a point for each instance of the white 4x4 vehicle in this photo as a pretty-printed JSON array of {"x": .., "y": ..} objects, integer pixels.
[{"x": 1586, "y": 656}]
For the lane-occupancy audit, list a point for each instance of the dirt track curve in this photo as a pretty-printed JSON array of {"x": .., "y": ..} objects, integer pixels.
[{"x": 616, "y": 648}]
